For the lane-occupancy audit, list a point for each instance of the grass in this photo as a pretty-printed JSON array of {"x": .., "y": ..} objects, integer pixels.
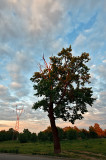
[{"x": 80, "y": 149}]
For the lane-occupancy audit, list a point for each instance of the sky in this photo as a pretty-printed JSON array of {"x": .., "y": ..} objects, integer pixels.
[{"x": 31, "y": 28}]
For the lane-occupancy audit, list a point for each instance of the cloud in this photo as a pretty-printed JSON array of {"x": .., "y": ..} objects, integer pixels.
[
  {"x": 3, "y": 125},
  {"x": 15, "y": 85},
  {"x": 104, "y": 61},
  {"x": 5, "y": 51},
  {"x": 80, "y": 41},
  {"x": 91, "y": 21},
  {"x": 98, "y": 78},
  {"x": 18, "y": 68},
  {"x": 1, "y": 77},
  {"x": 6, "y": 96},
  {"x": 102, "y": 71}
]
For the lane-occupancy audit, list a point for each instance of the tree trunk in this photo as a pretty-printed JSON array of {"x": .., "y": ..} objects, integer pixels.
[{"x": 57, "y": 147}]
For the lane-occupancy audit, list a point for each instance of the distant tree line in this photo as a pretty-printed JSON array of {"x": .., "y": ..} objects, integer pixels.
[
  {"x": 67, "y": 133},
  {"x": 24, "y": 137},
  {"x": 8, "y": 135},
  {"x": 70, "y": 133}
]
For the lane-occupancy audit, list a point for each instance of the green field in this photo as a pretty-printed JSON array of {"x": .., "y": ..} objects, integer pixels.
[{"x": 80, "y": 149}]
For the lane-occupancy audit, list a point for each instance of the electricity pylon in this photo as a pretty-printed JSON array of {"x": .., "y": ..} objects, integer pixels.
[{"x": 18, "y": 114}]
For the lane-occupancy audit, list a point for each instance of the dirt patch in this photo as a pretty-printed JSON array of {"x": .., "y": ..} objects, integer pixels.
[{"x": 84, "y": 155}]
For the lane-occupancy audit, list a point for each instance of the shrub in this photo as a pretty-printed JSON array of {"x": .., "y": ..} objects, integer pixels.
[
  {"x": 23, "y": 138},
  {"x": 84, "y": 134},
  {"x": 92, "y": 132},
  {"x": 33, "y": 137},
  {"x": 71, "y": 134}
]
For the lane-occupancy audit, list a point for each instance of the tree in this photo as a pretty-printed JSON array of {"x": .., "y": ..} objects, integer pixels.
[
  {"x": 61, "y": 133},
  {"x": 33, "y": 137},
  {"x": 62, "y": 89},
  {"x": 84, "y": 134},
  {"x": 42, "y": 136},
  {"x": 23, "y": 138},
  {"x": 104, "y": 132},
  {"x": 71, "y": 134},
  {"x": 92, "y": 132},
  {"x": 28, "y": 134},
  {"x": 98, "y": 130},
  {"x": 3, "y": 135},
  {"x": 48, "y": 134}
]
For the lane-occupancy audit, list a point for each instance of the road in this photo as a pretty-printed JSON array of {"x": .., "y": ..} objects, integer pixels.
[{"x": 24, "y": 157}]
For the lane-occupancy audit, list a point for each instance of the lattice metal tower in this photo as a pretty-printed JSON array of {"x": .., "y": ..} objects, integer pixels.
[{"x": 18, "y": 114}]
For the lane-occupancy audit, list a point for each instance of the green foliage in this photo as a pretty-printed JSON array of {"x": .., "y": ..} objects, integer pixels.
[
  {"x": 71, "y": 134},
  {"x": 64, "y": 85},
  {"x": 41, "y": 136},
  {"x": 45, "y": 136},
  {"x": 3, "y": 136},
  {"x": 61, "y": 133},
  {"x": 33, "y": 137},
  {"x": 12, "y": 134},
  {"x": 8, "y": 135},
  {"x": 23, "y": 138},
  {"x": 92, "y": 132},
  {"x": 27, "y": 136},
  {"x": 48, "y": 136},
  {"x": 84, "y": 134}
]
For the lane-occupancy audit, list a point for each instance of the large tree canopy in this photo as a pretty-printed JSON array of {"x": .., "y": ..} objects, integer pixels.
[{"x": 62, "y": 86}]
